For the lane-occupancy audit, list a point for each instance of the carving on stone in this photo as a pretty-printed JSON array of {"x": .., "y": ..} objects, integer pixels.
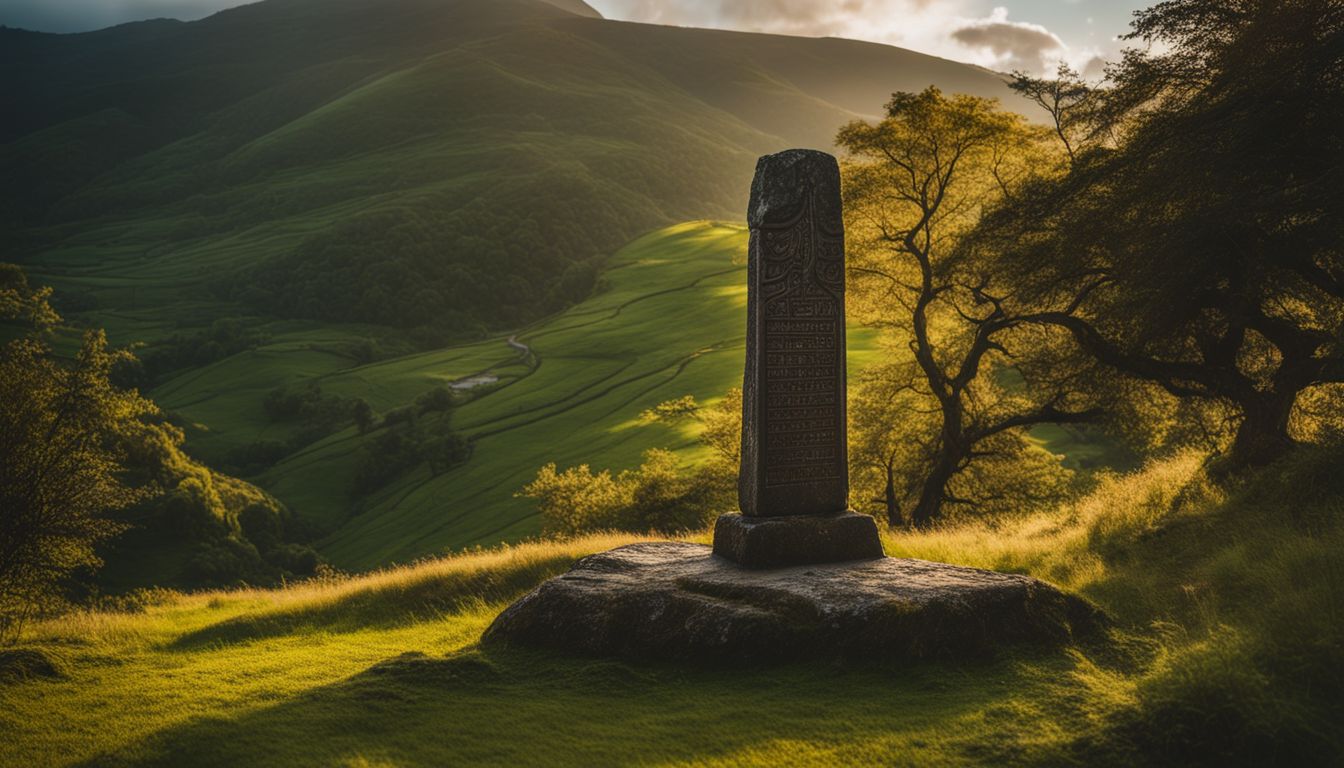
[
  {"x": 802, "y": 289},
  {"x": 793, "y": 457}
]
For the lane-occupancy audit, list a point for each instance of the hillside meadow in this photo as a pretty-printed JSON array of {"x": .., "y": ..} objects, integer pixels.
[
  {"x": 445, "y": 168},
  {"x": 1226, "y": 649},
  {"x": 575, "y": 398}
]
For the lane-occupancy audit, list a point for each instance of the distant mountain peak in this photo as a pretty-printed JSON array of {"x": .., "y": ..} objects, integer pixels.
[{"x": 576, "y": 7}]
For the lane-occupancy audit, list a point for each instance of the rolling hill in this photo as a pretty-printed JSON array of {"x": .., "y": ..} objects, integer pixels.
[
  {"x": 371, "y": 197},
  {"x": 576, "y": 398},
  {"x": 447, "y": 165}
]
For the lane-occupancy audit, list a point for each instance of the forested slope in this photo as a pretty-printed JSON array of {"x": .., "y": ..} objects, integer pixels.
[{"x": 438, "y": 165}]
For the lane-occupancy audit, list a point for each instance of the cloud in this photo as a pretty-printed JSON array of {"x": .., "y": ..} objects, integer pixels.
[
  {"x": 954, "y": 29},
  {"x": 814, "y": 18},
  {"x": 1012, "y": 44}
]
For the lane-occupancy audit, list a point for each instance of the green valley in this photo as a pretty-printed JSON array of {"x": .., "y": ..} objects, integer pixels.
[
  {"x": 371, "y": 198},
  {"x": 575, "y": 398}
]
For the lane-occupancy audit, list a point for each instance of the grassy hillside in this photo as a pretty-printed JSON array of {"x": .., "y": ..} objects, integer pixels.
[
  {"x": 294, "y": 193},
  {"x": 576, "y": 399},
  {"x": 441, "y": 165},
  {"x": 1227, "y": 650},
  {"x": 667, "y": 321}
]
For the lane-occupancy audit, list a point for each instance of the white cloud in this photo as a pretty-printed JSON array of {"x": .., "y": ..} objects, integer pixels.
[
  {"x": 953, "y": 29},
  {"x": 1011, "y": 45},
  {"x": 865, "y": 19}
]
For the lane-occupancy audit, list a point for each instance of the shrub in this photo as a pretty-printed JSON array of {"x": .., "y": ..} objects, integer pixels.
[
  {"x": 658, "y": 496},
  {"x": 255, "y": 457},
  {"x": 317, "y": 414},
  {"x": 386, "y": 456},
  {"x": 262, "y": 524},
  {"x": 438, "y": 399},
  {"x": 362, "y": 413},
  {"x": 224, "y": 338},
  {"x": 224, "y": 562},
  {"x": 296, "y": 559},
  {"x": 576, "y": 500}
]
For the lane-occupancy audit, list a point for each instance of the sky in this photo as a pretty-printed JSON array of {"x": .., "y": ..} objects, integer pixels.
[{"x": 1032, "y": 35}]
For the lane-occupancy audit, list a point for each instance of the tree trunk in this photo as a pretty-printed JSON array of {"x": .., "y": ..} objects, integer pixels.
[
  {"x": 1263, "y": 434},
  {"x": 894, "y": 517},
  {"x": 951, "y": 450},
  {"x": 931, "y": 495}
]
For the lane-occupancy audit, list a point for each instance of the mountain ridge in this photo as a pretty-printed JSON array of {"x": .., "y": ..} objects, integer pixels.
[{"x": 292, "y": 189}]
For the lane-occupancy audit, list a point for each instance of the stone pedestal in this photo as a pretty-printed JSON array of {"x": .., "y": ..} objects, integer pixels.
[
  {"x": 777, "y": 542},
  {"x": 676, "y": 601}
]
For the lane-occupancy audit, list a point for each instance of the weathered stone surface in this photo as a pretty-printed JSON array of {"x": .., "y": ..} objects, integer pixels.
[
  {"x": 775, "y": 542},
  {"x": 794, "y": 458},
  {"x": 672, "y": 600}
]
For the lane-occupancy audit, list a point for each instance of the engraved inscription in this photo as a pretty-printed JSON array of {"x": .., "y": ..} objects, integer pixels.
[
  {"x": 793, "y": 459},
  {"x": 802, "y": 381}
]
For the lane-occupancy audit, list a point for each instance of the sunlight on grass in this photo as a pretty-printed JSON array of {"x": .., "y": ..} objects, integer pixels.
[{"x": 1227, "y": 632}]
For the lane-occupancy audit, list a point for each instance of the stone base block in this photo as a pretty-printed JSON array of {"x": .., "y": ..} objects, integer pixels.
[
  {"x": 673, "y": 601},
  {"x": 779, "y": 542}
]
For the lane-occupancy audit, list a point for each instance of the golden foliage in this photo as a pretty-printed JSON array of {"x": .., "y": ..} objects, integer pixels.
[{"x": 65, "y": 428}]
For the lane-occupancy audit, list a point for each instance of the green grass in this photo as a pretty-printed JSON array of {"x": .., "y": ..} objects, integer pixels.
[
  {"x": 1228, "y": 649},
  {"x": 668, "y": 322},
  {"x": 599, "y": 365}
]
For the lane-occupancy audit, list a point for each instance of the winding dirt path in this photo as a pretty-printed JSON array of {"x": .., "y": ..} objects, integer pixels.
[{"x": 523, "y": 349}]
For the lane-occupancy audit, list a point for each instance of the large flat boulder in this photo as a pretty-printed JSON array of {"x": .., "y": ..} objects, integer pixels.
[{"x": 678, "y": 601}]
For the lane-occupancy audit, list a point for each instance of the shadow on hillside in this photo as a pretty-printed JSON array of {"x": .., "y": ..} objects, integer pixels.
[
  {"x": 512, "y": 707},
  {"x": 389, "y": 603}
]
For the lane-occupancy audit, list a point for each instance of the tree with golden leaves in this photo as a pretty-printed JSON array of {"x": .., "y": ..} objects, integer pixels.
[
  {"x": 962, "y": 384},
  {"x": 64, "y": 428}
]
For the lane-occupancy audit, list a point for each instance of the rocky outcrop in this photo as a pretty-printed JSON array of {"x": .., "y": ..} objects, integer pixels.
[{"x": 677, "y": 601}]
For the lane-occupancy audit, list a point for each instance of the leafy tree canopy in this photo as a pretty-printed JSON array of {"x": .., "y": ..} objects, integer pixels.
[{"x": 1197, "y": 242}]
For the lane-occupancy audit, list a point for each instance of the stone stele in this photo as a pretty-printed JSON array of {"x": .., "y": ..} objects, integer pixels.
[{"x": 793, "y": 484}]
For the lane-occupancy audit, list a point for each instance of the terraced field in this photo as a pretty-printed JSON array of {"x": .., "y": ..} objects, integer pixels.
[{"x": 668, "y": 322}]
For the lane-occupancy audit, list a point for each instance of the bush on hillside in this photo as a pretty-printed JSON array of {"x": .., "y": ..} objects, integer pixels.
[
  {"x": 386, "y": 456},
  {"x": 436, "y": 400},
  {"x": 658, "y": 496},
  {"x": 224, "y": 338},
  {"x": 225, "y": 562},
  {"x": 254, "y": 457},
  {"x": 314, "y": 413},
  {"x": 408, "y": 441},
  {"x": 295, "y": 559}
]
